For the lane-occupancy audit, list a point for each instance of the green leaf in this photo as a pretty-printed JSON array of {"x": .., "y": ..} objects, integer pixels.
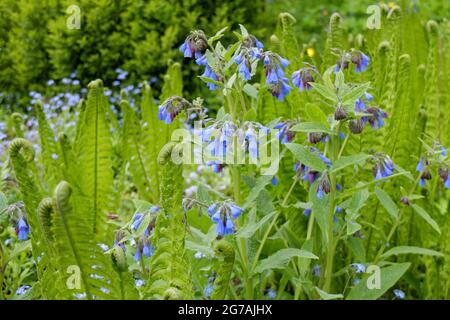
[
  {"x": 307, "y": 157},
  {"x": 251, "y": 91},
  {"x": 202, "y": 195},
  {"x": 142, "y": 205},
  {"x": 261, "y": 183},
  {"x": 250, "y": 115},
  {"x": 328, "y": 296},
  {"x": 388, "y": 277},
  {"x": 387, "y": 203},
  {"x": 352, "y": 227},
  {"x": 354, "y": 94},
  {"x": 209, "y": 80},
  {"x": 243, "y": 31},
  {"x": 411, "y": 250},
  {"x": 199, "y": 247},
  {"x": 96, "y": 153},
  {"x": 316, "y": 114},
  {"x": 281, "y": 258},
  {"x": 421, "y": 212},
  {"x": 339, "y": 80},
  {"x": 229, "y": 53},
  {"x": 324, "y": 91},
  {"x": 250, "y": 228},
  {"x": 346, "y": 161},
  {"x": 231, "y": 81},
  {"x": 312, "y": 127},
  {"x": 217, "y": 36}
]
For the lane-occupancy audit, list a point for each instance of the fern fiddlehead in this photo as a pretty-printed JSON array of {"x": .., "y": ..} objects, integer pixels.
[{"x": 224, "y": 253}]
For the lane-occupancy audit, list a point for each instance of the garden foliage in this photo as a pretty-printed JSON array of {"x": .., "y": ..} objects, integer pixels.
[{"x": 100, "y": 209}]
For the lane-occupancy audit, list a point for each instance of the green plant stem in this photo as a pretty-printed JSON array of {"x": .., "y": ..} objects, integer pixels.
[
  {"x": 334, "y": 145},
  {"x": 284, "y": 203},
  {"x": 397, "y": 223},
  {"x": 263, "y": 241},
  {"x": 236, "y": 181}
]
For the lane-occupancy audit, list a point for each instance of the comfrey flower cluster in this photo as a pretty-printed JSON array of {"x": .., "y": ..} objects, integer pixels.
[
  {"x": 194, "y": 45},
  {"x": 358, "y": 58},
  {"x": 171, "y": 107},
  {"x": 303, "y": 78},
  {"x": 309, "y": 175},
  {"x": 275, "y": 76},
  {"x": 248, "y": 136},
  {"x": 371, "y": 115},
  {"x": 284, "y": 134},
  {"x": 224, "y": 214},
  {"x": 143, "y": 243},
  {"x": 248, "y": 55},
  {"x": 438, "y": 155},
  {"x": 384, "y": 166},
  {"x": 219, "y": 137}
]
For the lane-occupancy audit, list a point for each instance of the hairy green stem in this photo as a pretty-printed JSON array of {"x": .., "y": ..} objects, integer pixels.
[{"x": 397, "y": 223}]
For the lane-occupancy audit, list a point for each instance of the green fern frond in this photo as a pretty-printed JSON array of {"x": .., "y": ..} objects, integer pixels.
[
  {"x": 50, "y": 153},
  {"x": 170, "y": 269},
  {"x": 133, "y": 150},
  {"x": 224, "y": 253},
  {"x": 335, "y": 40},
  {"x": 18, "y": 122},
  {"x": 173, "y": 82},
  {"x": 95, "y": 158},
  {"x": 152, "y": 131},
  {"x": 431, "y": 97}
]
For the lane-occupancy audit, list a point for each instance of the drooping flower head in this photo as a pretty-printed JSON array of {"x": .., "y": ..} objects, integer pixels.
[
  {"x": 423, "y": 168},
  {"x": 223, "y": 215},
  {"x": 360, "y": 106},
  {"x": 356, "y": 126},
  {"x": 316, "y": 137},
  {"x": 376, "y": 117},
  {"x": 171, "y": 107},
  {"x": 305, "y": 173},
  {"x": 194, "y": 45},
  {"x": 358, "y": 267},
  {"x": 323, "y": 186},
  {"x": 280, "y": 89},
  {"x": 219, "y": 137},
  {"x": 384, "y": 166},
  {"x": 284, "y": 134},
  {"x": 22, "y": 229},
  {"x": 210, "y": 74},
  {"x": 444, "y": 175},
  {"x": 216, "y": 166},
  {"x": 274, "y": 66},
  {"x": 360, "y": 60},
  {"x": 250, "y": 51},
  {"x": 120, "y": 234},
  {"x": 244, "y": 65},
  {"x": 251, "y": 42},
  {"x": 399, "y": 294},
  {"x": 143, "y": 247},
  {"x": 302, "y": 78},
  {"x": 248, "y": 135},
  {"x": 340, "y": 112}
]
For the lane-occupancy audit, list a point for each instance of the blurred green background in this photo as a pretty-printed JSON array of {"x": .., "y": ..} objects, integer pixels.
[{"x": 141, "y": 37}]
